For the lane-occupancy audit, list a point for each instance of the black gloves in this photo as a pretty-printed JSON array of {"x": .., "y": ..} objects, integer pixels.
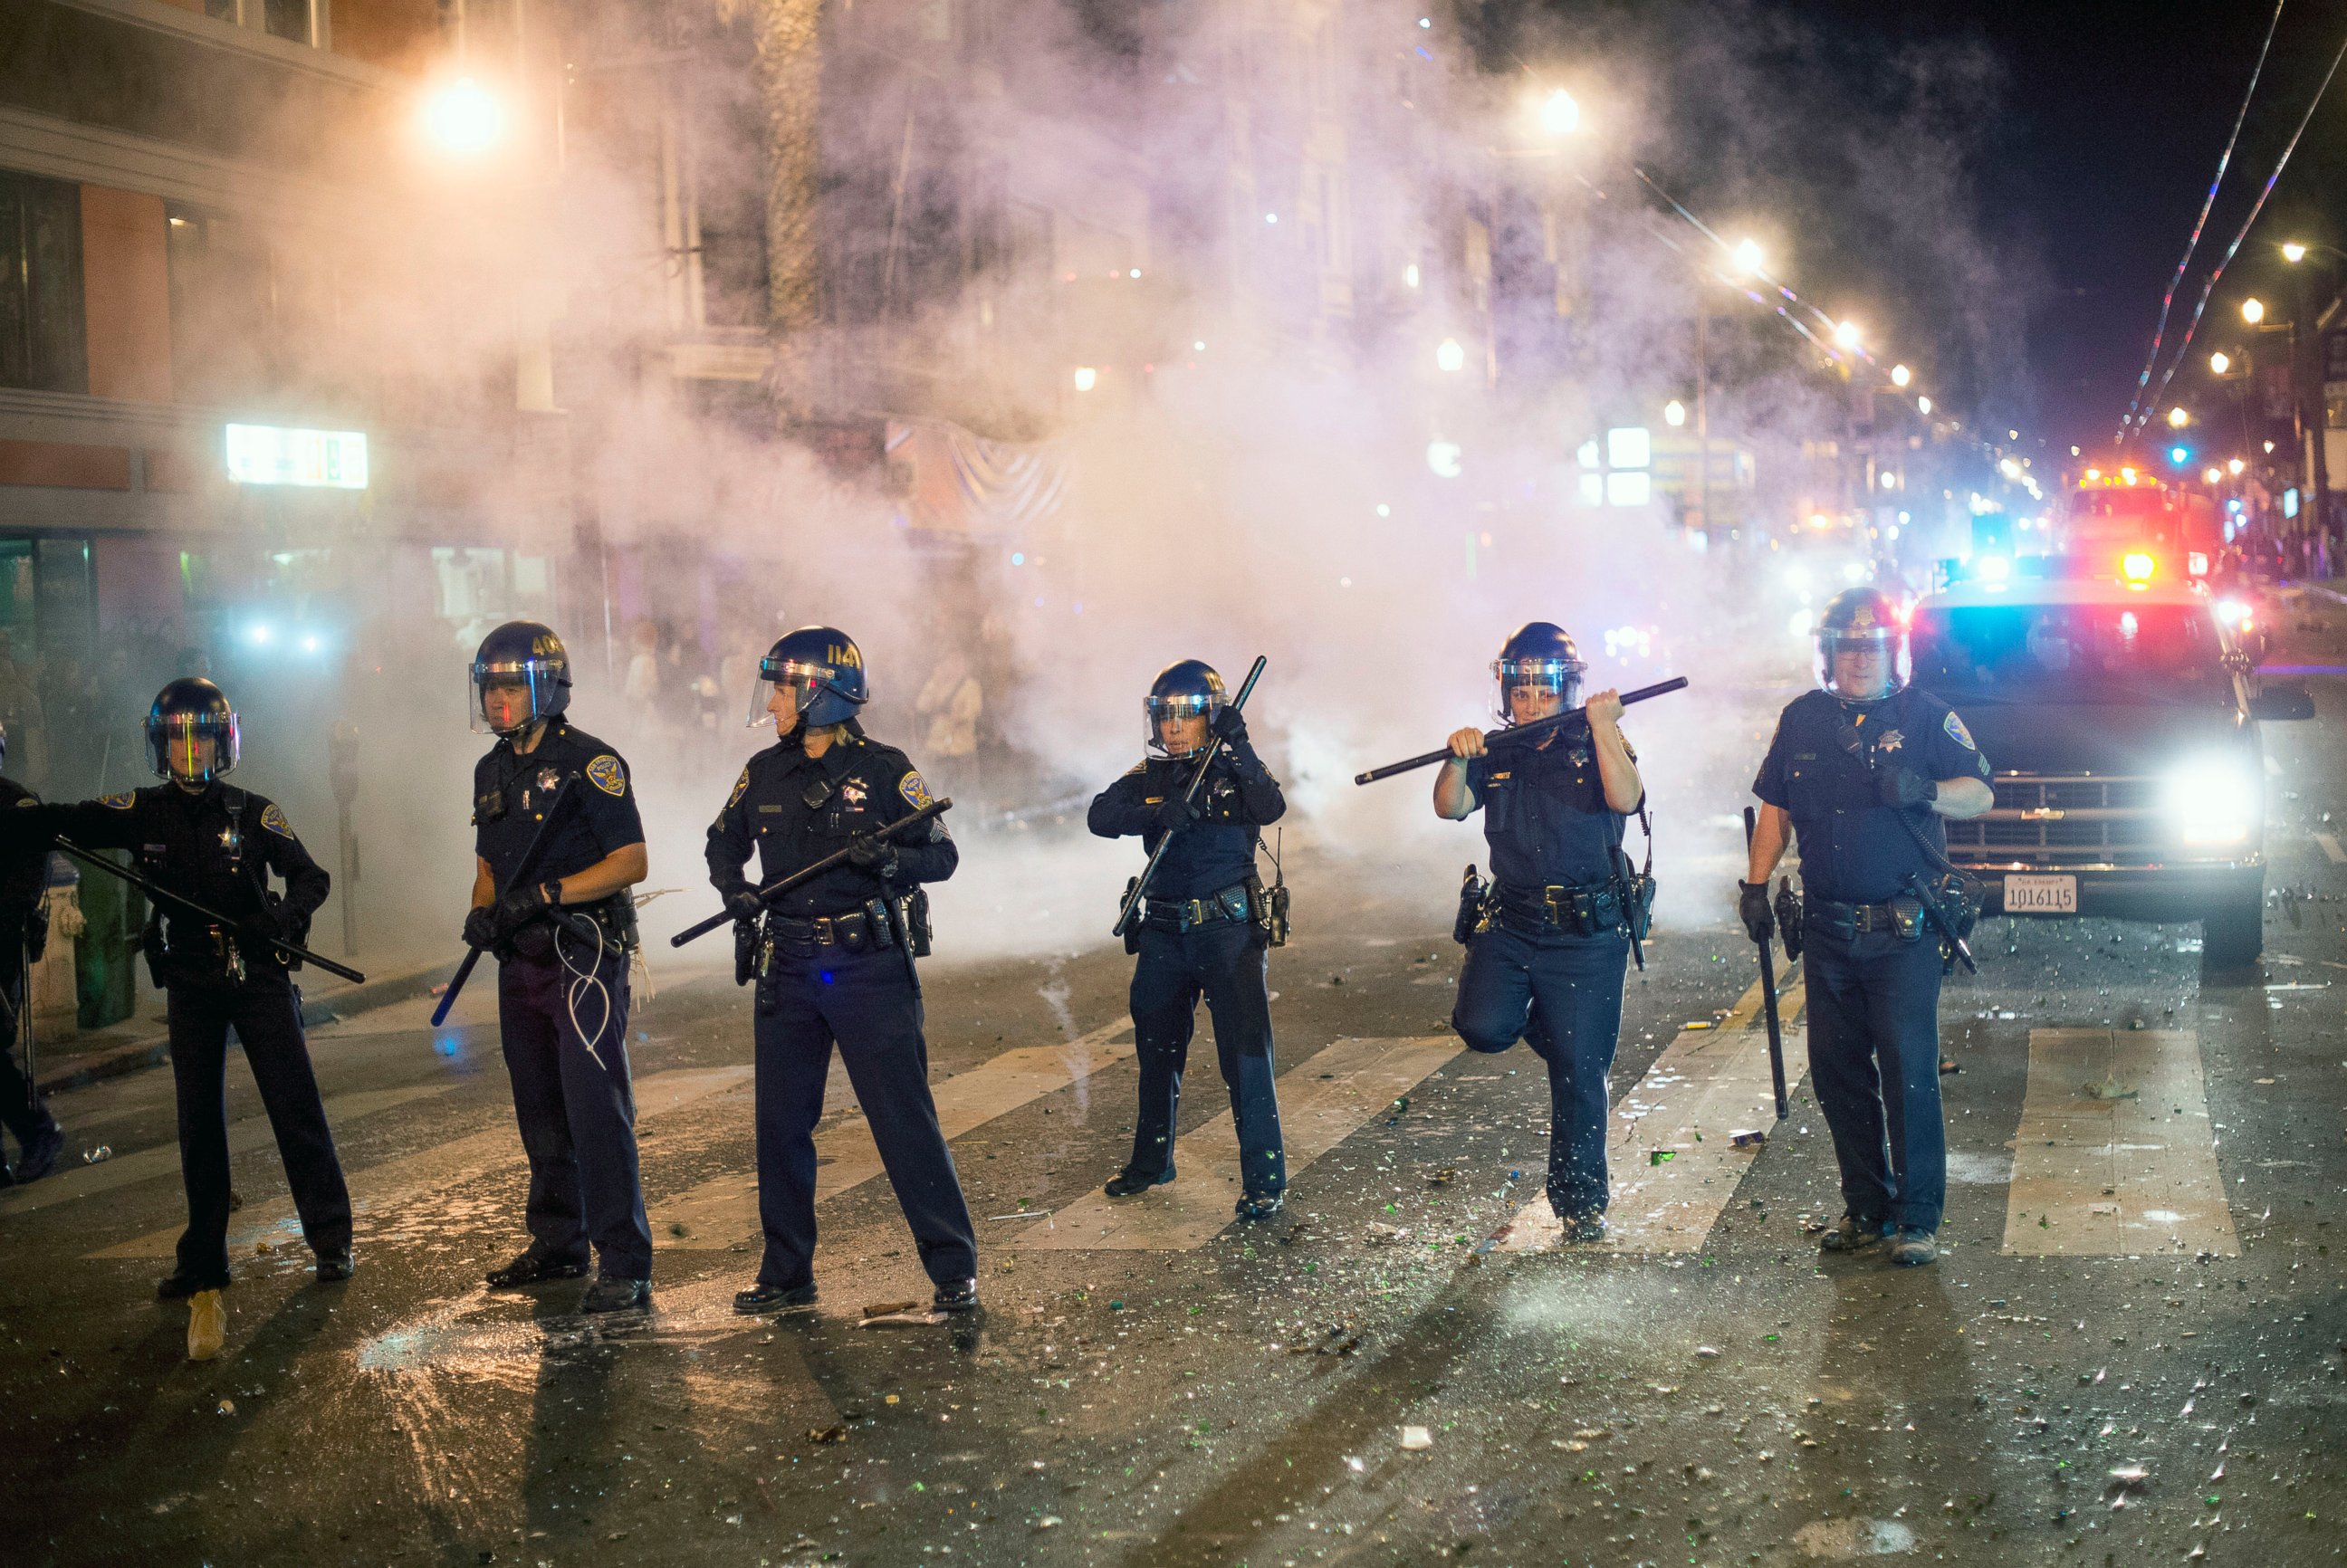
[
  {"x": 481, "y": 927},
  {"x": 1752, "y": 909},
  {"x": 743, "y": 903},
  {"x": 519, "y": 906},
  {"x": 1174, "y": 813},
  {"x": 1902, "y": 787},
  {"x": 876, "y": 856},
  {"x": 1231, "y": 725}
]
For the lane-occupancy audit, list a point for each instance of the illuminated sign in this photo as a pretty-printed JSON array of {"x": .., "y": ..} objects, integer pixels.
[{"x": 269, "y": 454}]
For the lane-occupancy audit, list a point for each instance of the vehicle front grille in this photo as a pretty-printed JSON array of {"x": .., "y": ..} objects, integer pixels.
[{"x": 2057, "y": 821}]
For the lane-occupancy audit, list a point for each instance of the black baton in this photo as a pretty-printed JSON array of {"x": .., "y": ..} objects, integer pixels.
[
  {"x": 524, "y": 869},
  {"x": 164, "y": 895},
  {"x": 1520, "y": 732},
  {"x": 805, "y": 874},
  {"x": 1140, "y": 888},
  {"x": 1768, "y": 993}
]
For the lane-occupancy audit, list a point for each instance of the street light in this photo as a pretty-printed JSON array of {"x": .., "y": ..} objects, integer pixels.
[
  {"x": 1086, "y": 378},
  {"x": 462, "y": 118},
  {"x": 1846, "y": 334},
  {"x": 1923, "y": 405},
  {"x": 1560, "y": 115},
  {"x": 1748, "y": 258},
  {"x": 1675, "y": 413},
  {"x": 1900, "y": 375},
  {"x": 1449, "y": 356},
  {"x": 2253, "y": 310},
  {"x": 2293, "y": 252},
  {"x": 2212, "y": 475},
  {"x": 2235, "y": 466},
  {"x": 2220, "y": 361},
  {"x": 2177, "y": 418}
]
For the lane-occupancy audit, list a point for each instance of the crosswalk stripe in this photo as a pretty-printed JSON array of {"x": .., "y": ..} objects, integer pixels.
[
  {"x": 1322, "y": 1102},
  {"x": 2329, "y": 842},
  {"x": 1706, "y": 1085},
  {"x": 379, "y": 1192},
  {"x": 2114, "y": 1155},
  {"x": 718, "y": 1213},
  {"x": 163, "y": 1159}
]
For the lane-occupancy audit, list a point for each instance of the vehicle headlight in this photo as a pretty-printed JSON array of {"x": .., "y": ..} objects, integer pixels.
[{"x": 2214, "y": 801}]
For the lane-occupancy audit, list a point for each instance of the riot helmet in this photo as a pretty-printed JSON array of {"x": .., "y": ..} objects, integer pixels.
[
  {"x": 524, "y": 656},
  {"x": 1190, "y": 689},
  {"x": 192, "y": 732},
  {"x": 825, "y": 670},
  {"x": 1862, "y": 620},
  {"x": 1537, "y": 654}
]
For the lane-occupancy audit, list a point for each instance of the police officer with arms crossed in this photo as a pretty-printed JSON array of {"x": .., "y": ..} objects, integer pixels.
[
  {"x": 1847, "y": 763},
  {"x": 562, "y": 942},
  {"x": 217, "y": 845},
  {"x": 834, "y": 964},
  {"x": 1200, "y": 932},
  {"x": 1546, "y": 961},
  {"x": 23, "y": 935}
]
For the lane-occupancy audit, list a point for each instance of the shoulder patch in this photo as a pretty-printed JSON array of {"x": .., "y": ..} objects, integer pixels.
[
  {"x": 272, "y": 817},
  {"x": 1957, "y": 732},
  {"x": 916, "y": 793},
  {"x": 120, "y": 800},
  {"x": 1140, "y": 768},
  {"x": 606, "y": 774},
  {"x": 740, "y": 785}
]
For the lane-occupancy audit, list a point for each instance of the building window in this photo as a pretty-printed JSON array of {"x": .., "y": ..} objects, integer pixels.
[
  {"x": 287, "y": 19},
  {"x": 42, "y": 345}
]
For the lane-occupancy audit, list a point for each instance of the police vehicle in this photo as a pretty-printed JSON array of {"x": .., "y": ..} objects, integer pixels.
[{"x": 2121, "y": 713}]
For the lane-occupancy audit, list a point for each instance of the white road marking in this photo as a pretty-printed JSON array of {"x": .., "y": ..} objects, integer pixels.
[
  {"x": 1706, "y": 1086},
  {"x": 245, "y": 1134},
  {"x": 2114, "y": 1155},
  {"x": 1323, "y": 1100},
  {"x": 379, "y": 1191},
  {"x": 724, "y": 1210},
  {"x": 2329, "y": 842}
]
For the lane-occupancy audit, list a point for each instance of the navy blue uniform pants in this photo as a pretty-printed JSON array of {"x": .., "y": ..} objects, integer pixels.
[
  {"x": 17, "y": 1112},
  {"x": 1874, "y": 1063},
  {"x": 267, "y": 1017},
  {"x": 869, "y": 1005},
  {"x": 1563, "y": 996},
  {"x": 577, "y": 1108},
  {"x": 1225, "y": 962}
]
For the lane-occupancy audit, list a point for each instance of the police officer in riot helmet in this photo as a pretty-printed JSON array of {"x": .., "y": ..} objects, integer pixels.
[
  {"x": 1203, "y": 930},
  {"x": 832, "y": 962},
  {"x": 1549, "y": 941},
  {"x": 218, "y": 844},
  {"x": 1862, "y": 771},
  {"x": 24, "y": 935},
  {"x": 561, "y": 935}
]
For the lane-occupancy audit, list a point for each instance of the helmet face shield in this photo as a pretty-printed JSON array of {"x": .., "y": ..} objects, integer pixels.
[
  {"x": 1543, "y": 674},
  {"x": 1156, "y": 710},
  {"x": 806, "y": 680},
  {"x": 193, "y": 748},
  {"x": 1862, "y": 664},
  {"x": 507, "y": 696}
]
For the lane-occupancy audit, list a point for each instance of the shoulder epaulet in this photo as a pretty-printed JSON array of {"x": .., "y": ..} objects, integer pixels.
[{"x": 1140, "y": 768}]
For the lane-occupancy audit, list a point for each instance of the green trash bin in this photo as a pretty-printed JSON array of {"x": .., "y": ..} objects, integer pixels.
[{"x": 113, "y": 914}]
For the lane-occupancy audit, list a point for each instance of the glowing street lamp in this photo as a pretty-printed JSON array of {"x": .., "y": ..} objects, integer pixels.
[
  {"x": 1846, "y": 334},
  {"x": 2177, "y": 418},
  {"x": 1675, "y": 413},
  {"x": 1748, "y": 258},
  {"x": 462, "y": 118},
  {"x": 1449, "y": 357},
  {"x": 2235, "y": 466},
  {"x": 1923, "y": 405},
  {"x": 2212, "y": 475},
  {"x": 1086, "y": 377},
  {"x": 2220, "y": 361},
  {"x": 1900, "y": 375},
  {"x": 2253, "y": 310},
  {"x": 1559, "y": 114},
  {"x": 2293, "y": 252}
]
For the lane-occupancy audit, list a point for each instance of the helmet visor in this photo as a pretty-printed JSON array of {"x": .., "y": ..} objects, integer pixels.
[
  {"x": 1156, "y": 711},
  {"x": 507, "y": 695},
  {"x": 804, "y": 680},
  {"x": 194, "y": 748},
  {"x": 1862, "y": 663},
  {"x": 1544, "y": 675}
]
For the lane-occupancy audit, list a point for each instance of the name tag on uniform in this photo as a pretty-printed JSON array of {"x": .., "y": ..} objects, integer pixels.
[{"x": 770, "y": 807}]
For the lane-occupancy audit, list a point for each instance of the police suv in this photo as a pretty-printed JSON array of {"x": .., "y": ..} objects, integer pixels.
[{"x": 2121, "y": 715}]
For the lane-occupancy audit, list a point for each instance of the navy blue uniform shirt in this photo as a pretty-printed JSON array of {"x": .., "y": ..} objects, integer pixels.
[
  {"x": 1853, "y": 851},
  {"x": 795, "y": 809},
  {"x": 1544, "y": 811},
  {"x": 511, "y": 791},
  {"x": 187, "y": 841},
  {"x": 1240, "y": 796}
]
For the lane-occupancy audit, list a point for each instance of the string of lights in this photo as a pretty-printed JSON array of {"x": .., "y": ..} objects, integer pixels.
[
  {"x": 2183, "y": 264},
  {"x": 2183, "y": 349}
]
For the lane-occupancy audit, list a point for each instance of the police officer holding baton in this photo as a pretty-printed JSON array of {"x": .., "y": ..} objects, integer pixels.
[
  {"x": 562, "y": 937},
  {"x": 1849, "y": 763},
  {"x": 833, "y": 960}
]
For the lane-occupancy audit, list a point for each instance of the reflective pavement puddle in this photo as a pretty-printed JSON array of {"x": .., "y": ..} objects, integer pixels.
[
  {"x": 2115, "y": 1156},
  {"x": 1323, "y": 1100},
  {"x": 378, "y": 1190},
  {"x": 1707, "y": 1085},
  {"x": 723, "y": 1210},
  {"x": 245, "y": 1134}
]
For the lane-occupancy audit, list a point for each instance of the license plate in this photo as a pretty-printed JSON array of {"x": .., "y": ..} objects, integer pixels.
[{"x": 2041, "y": 894}]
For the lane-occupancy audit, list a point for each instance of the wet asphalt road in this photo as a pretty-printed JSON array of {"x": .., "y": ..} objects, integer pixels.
[{"x": 1244, "y": 1400}]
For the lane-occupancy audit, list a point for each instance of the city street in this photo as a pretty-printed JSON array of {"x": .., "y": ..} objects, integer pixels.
[{"x": 2130, "y": 1352}]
